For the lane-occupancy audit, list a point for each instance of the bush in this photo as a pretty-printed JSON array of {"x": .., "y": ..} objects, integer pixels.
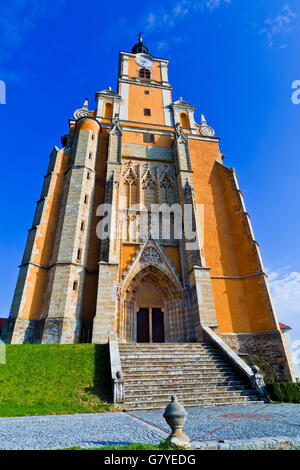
[
  {"x": 266, "y": 369},
  {"x": 284, "y": 392}
]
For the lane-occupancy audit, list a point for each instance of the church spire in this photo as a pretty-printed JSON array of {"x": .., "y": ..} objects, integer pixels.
[{"x": 139, "y": 47}]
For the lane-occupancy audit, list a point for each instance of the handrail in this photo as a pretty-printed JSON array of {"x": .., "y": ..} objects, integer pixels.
[
  {"x": 251, "y": 374},
  {"x": 116, "y": 369}
]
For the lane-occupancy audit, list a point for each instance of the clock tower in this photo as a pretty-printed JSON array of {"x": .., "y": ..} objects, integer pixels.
[{"x": 144, "y": 87}]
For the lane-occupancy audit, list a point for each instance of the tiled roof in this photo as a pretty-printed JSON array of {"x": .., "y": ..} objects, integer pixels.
[{"x": 284, "y": 327}]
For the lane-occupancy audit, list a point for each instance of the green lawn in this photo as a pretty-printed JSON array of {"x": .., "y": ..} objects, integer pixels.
[
  {"x": 163, "y": 445},
  {"x": 55, "y": 379}
]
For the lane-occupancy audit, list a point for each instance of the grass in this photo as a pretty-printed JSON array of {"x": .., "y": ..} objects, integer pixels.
[
  {"x": 55, "y": 379},
  {"x": 163, "y": 445}
]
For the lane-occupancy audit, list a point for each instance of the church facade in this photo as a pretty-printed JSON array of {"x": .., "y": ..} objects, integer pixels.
[{"x": 142, "y": 230}]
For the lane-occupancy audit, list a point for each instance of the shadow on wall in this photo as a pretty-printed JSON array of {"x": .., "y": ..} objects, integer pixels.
[{"x": 102, "y": 387}]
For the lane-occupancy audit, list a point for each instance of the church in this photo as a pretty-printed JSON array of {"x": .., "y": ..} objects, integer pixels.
[{"x": 141, "y": 230}]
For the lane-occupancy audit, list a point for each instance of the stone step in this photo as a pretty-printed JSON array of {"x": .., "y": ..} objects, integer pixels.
[
  {"x": 161, "y": 404},
  {"x": 186, "y": 392},
  {"x": 176, "y": 375},
  {"x": 175, "y": 347},
  {"x": 183, "y": 356},
  {"x": 168, "y": 354},
  {"x": 160, "y": 381},
  {"x": 196, "y": 372},
  {"x": 198, "y": 362},
  {"x": 170, "y": 369},
  {"x": 184, "y": 386},
  {"x": 155, "y": 348}
]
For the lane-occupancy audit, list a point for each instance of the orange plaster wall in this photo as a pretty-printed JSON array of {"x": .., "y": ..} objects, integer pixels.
[
  {"x": 128, "y": 252},
  {"x": 43, "y": 243},
  {"x": 137, "y": 138},
  {"x": 35, "y": 286},
  {"x": 133, "y": 69},
  {"x": 89, "y": 124},
  {"x": 138, "y": 101},
  {"x": 260, "y": 312},
  {"x": 36, "y": 280},
  {"x": 241, "y": 305}
]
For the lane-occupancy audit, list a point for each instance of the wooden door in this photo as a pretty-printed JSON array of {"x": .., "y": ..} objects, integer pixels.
[
  {"x": 158, "y": 331},
  {"x": 143, "y": 325}
]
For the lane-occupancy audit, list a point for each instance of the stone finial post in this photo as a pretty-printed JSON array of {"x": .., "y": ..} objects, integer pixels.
[
  {"x": 118, "y": 388},
  {"x": 258, "y": 383},
  {"x": 175, "y": 415}
]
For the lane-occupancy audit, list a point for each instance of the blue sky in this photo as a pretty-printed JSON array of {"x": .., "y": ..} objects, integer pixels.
[{"x": 235, "y": 60}]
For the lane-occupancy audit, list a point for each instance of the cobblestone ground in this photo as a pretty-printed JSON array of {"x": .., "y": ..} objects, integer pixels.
[{"x": 250, "y": 426}]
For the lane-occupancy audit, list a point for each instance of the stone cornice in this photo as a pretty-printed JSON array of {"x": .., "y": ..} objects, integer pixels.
[
  {"x": 147, "y": 84},
  {"x": 130, "y": 54}
]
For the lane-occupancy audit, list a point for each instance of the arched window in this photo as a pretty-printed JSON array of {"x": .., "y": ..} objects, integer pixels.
[
  {"x": 184, "y": 121},
  {"x": 108, "y": 110},
  {"x": 145, "y": 74}
]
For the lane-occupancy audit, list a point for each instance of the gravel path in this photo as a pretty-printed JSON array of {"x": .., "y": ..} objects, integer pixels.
[{"x": 236, "y": 425}]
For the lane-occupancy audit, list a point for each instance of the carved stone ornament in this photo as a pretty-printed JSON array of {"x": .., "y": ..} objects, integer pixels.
[
  {"x": 166, "y": 179},
  {"x": 82, "y": 112},
  {"x": 129, "y": 175},
  {"x": 116, "y": 128},
  {"x": 151, "y": 255},
  {"x": 148, "y": 181},
  {"x": 205, "y": 130},
  {"x": 179, "y": 134}
]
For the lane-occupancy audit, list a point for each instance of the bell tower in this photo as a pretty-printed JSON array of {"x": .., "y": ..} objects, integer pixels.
[{"x": 144, "y": 87}]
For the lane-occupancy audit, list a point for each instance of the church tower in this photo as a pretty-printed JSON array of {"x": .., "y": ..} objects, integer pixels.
[{"x": 141, "y": 230}]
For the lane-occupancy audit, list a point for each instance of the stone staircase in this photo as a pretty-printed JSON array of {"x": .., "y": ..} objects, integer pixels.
[{"x": 196, "y": 372}]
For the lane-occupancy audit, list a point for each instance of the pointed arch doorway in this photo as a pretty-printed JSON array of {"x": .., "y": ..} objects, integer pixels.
[
  {"x": 150, "y": 326},
  {"x": 152, "y": 305}
]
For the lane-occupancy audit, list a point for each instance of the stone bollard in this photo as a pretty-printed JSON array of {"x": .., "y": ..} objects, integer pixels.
[
  {"x": 175, "y": 415},
  {"x": 258, "y": 384}
]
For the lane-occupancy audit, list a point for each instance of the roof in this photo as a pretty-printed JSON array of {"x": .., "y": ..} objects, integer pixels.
[{"x": 282, "y": 326}]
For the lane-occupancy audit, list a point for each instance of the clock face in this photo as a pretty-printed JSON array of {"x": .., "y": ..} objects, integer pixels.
[{"x": 144, "y": 61}]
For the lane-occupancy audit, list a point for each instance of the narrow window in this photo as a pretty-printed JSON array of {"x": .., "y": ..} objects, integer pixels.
[
  {"x": 108, "y": 110},
  {"x": 149, "y": 138},
  {"x": 82, "y": 226},
  {"x": 86, "y": 199},
  {"x": 88, "y": 175},
  {"x": 90, "y": 155},
  {"x": 93, "y": 136},
  {"x": 79, "y": 254},
  {"x": 145, "y": 75},
  {"x": 75, "y": 285},
  {"x": 185, "y": 123},
  {"x": 147, "y": 112}
]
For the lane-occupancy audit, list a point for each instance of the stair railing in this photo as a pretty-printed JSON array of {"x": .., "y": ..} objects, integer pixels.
[
  {"x": 251, "y": 374},
  {"x": 116, "y": 369}
]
